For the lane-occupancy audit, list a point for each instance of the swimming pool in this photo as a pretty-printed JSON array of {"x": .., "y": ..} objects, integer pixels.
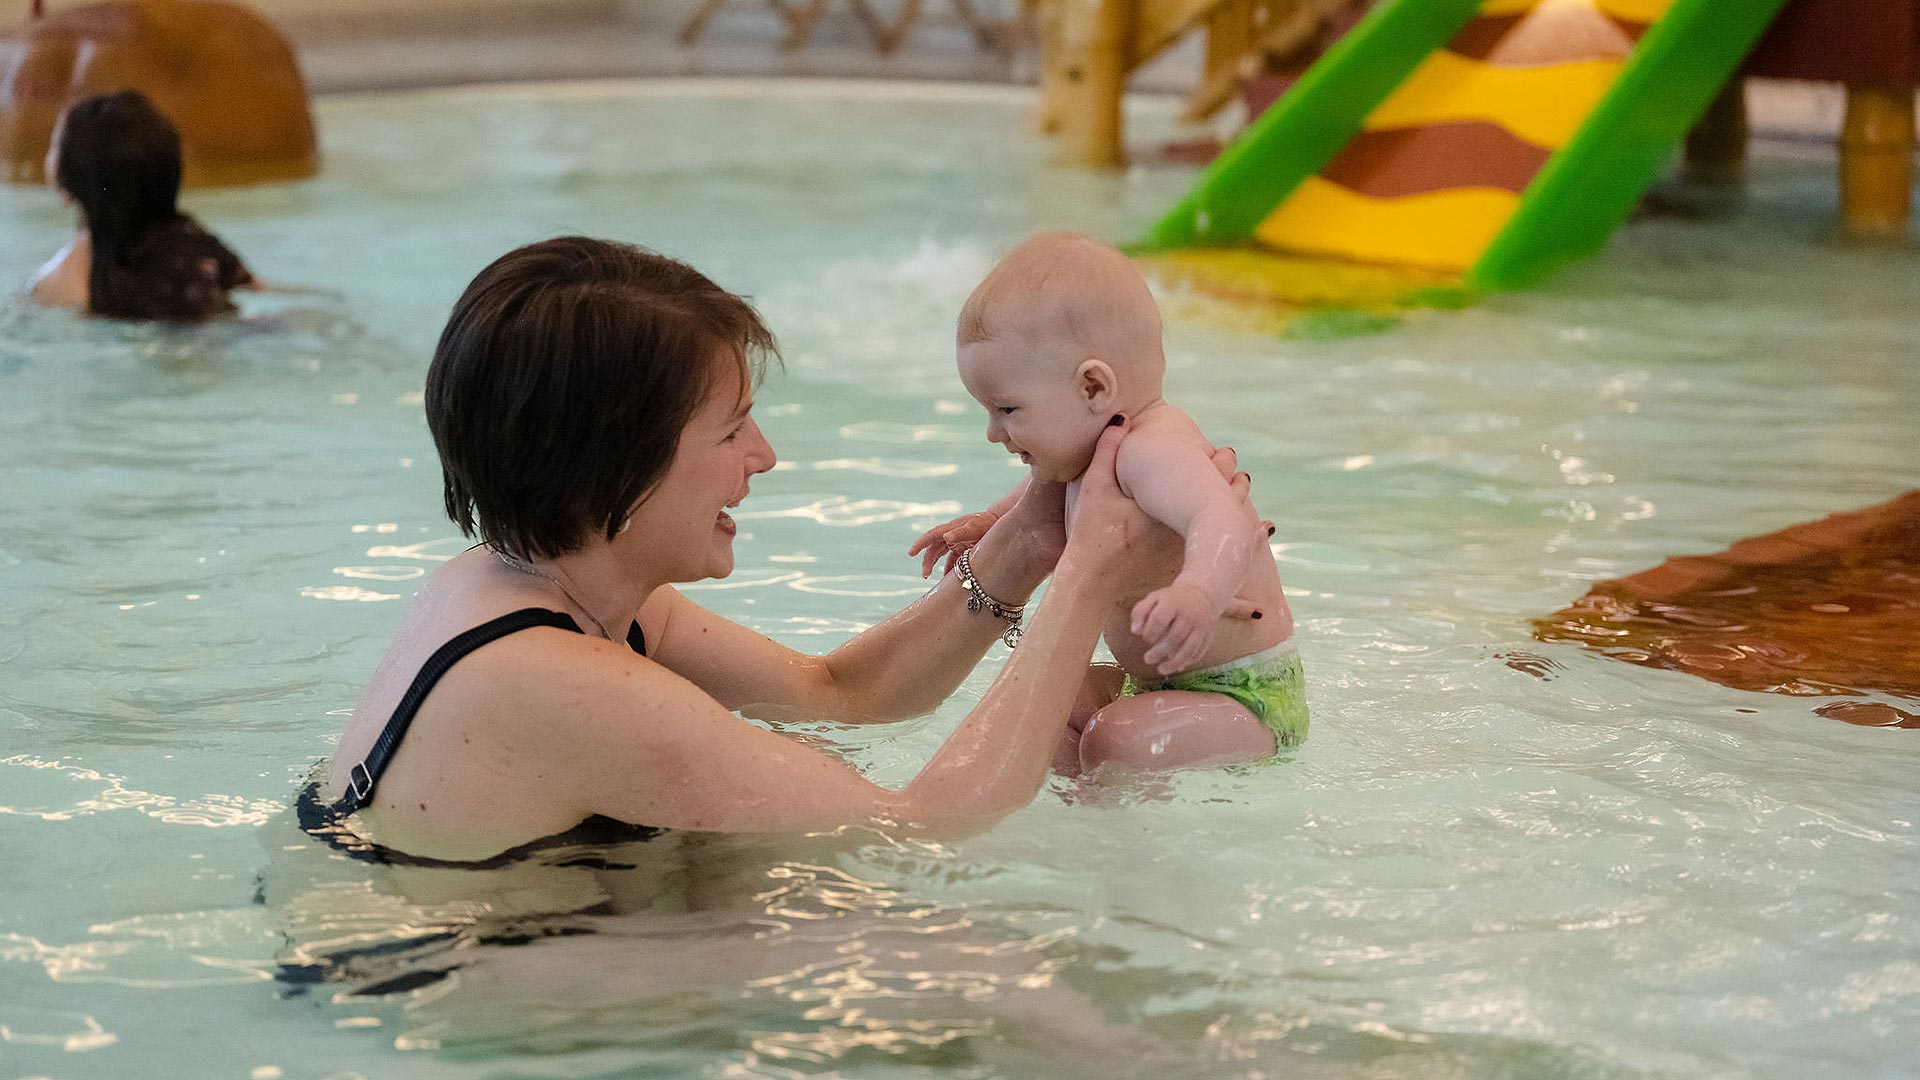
[{"x": 1466, "y": 871}]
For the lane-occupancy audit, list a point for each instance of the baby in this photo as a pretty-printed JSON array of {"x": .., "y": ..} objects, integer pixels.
[{"x": 1062, "y": 335}]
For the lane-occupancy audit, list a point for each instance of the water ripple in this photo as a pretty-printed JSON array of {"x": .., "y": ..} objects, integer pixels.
[{"x": 42, "y": 791}]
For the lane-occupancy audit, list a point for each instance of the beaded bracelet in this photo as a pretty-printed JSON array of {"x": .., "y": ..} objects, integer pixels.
[{"x": 977, "y": 600}]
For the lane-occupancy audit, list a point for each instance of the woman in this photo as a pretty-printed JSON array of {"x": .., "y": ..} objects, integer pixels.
[
  {"x": 134, "y": 255},
  {"x": 592, "y": 406}
]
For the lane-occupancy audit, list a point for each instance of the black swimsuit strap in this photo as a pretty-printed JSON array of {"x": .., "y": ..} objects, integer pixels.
[{"x": 364, "y": 774}]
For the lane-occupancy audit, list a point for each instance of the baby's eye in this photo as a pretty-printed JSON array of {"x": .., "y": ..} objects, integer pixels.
[{"x": 1006, "y": 410}]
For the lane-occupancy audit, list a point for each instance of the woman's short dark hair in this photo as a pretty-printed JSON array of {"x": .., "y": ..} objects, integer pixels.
[{"x": 562, "y": 382}]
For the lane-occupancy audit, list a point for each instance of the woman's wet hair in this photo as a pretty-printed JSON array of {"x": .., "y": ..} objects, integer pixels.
[
  {"x": 120, "y": 160},
  {"x": 562, "y": 382}
]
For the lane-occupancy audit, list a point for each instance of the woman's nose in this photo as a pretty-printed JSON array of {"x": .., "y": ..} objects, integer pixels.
[{"x": 760, "y": 457}]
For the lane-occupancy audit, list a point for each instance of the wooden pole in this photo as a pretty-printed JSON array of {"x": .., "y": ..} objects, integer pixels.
[
  {"x": 1053, "y": 66},
  {"x": 1095, "y": 37},
  {"x": 1717, "y": 145},
  {"x": 1230, "y": 33},
  {"x": 1876, "y": 161}
]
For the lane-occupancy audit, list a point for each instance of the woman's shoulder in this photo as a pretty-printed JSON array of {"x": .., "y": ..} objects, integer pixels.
[
  {"x": 62, "y": 280},
  {"x": 493, "y": 645}
]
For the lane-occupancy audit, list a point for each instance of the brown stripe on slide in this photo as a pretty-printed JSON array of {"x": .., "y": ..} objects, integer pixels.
[
  {"x": 1559, "y": 37},
  {"x": 1435, "y": 157}
]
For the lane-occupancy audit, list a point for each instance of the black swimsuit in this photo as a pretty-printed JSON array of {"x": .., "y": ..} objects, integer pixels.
[{"x": 324, "y": 821}]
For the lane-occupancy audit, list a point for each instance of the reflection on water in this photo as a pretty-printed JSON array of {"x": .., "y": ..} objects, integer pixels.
[
  {"x": 683, "y": 948},
  {"x": 771, "y": 958}
]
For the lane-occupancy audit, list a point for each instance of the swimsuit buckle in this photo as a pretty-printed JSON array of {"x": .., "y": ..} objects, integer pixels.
[{"x": 360, "y": 782}]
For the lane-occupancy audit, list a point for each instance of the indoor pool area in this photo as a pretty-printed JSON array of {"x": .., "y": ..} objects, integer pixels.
[{"x": 1495, "y": 856}]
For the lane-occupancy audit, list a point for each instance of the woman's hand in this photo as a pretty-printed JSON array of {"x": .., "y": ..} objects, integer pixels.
[
  {"x": 1036, "y": 524},
  {"x": 1105, "y": 521},
  {"x": 1031, "y": 522}
]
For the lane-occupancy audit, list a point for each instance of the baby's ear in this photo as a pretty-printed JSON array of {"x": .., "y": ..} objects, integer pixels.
[{"x": 1097, "y": 384}]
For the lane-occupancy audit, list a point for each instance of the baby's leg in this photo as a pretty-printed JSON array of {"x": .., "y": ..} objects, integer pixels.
[
  {"x": 1173, "y": 729},
  {"x": 1099, "y": 689}
]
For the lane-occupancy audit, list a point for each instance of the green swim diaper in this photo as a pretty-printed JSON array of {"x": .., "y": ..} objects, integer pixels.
[{"x": 1270, "y": 683}]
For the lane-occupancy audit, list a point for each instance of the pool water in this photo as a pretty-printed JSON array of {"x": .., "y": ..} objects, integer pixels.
[{"x": 206, "y": 539}]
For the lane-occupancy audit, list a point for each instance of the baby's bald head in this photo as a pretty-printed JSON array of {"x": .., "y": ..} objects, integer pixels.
[{"x": 1079, "y": 296}]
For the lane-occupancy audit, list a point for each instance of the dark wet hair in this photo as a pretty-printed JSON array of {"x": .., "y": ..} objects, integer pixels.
[
  {"x": 562, "y": 382},
  {"x": 120, "y": 160}
]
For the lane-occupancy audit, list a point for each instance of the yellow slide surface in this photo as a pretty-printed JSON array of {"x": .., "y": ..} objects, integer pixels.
[
  {"x": 1508, "y": 90},
  {"x": 1444, "y": 230}
]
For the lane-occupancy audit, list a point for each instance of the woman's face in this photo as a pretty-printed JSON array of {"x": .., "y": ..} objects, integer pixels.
[{"x": 685, "y": 521}]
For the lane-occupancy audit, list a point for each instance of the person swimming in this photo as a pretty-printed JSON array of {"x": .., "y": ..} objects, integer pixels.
[{"x": 133, "y": 255}]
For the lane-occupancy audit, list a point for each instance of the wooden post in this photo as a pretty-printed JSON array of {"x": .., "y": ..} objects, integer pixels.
[
  {"x": 1230, "y": 35},
  {"x": 1053, "y": 66},
  {"x": 1876, "y": 161},
  {"x": 1094, "y": 39},
  {"x": 1717, "y": 145}
]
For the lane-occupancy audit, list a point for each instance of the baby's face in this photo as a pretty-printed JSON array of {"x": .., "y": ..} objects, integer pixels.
[{"x": 1034, "y": 404}]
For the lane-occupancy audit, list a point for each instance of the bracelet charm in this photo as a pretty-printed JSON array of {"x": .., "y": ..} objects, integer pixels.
[{"x": 979, "y": 600}]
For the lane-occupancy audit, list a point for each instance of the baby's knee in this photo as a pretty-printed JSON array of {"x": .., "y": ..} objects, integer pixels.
[
  {"x": 1108, "y": 739},
  {"x": 1173, "y": 730}
]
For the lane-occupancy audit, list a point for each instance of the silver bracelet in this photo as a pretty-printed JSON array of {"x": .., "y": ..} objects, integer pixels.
[{"x": 978, "y": 600}]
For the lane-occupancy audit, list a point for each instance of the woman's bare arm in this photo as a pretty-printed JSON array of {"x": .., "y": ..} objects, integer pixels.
[
  {"x": 652, "y": 748},
  {"x": 904, "y": 666}
]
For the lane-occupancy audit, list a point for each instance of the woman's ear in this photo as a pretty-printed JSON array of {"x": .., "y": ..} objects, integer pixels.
[{"x": 1097, "y": 385}]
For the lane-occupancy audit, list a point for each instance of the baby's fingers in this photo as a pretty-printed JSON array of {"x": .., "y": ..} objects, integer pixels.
[
  {"x": 1149, "y": 619},
  {"x": 1186, "y": 644},
  {"x": 931, "y": 536},
  {"x": 1176, "y": 646},
  {"x": 1167, "y": 654},
  {"x": 930, "y": 557},
  {"x": 1142, "y": 611},
  {"x": 967, "y": 530},
  {"x": 1190, "y": 650},
  {"x": 1242, "y": 608},
  {"x": 1159, "y": 622}
]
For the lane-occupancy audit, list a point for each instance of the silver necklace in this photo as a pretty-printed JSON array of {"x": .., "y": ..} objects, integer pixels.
[{"x": 529, "y": 568}]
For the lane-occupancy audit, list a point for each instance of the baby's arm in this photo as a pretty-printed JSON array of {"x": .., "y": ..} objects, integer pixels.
[
  {"x": 1175, "y": 482},
  {"x": 947, "y": 539}
]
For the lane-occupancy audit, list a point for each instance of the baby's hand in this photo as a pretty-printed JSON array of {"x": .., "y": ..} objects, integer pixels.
[
  {"x": 947, "y": 540},
  {"x": 1177, "y": 624}
]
